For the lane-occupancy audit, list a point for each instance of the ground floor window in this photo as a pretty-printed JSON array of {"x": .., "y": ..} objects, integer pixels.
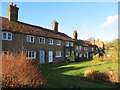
[
  {"x": 7, "y": 53},
  {"x": 67, "y": 53},
  {"x": 31, "y": 54},
  {"x": 76, "y": 54},
  {"x": 80, "y": 55},
  {"x": 58, "y": 53},
  {"x": 84, "y": 55}
]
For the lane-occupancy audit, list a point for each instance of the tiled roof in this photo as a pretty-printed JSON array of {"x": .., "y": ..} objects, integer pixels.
[
  {"x": 24, "y": 28},
  {"x": 84, "y": 43}
]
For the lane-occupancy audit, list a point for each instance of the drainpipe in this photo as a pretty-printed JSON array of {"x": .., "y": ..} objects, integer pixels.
[{"x": 22, "y": 45}]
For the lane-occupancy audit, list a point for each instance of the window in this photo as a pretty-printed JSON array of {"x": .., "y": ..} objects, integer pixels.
[
  {"x": 6, "y": 36},
  {"x": 76, "y": 54},
  {"x": 96, "y": 49},
  {"x": 58, "y": 42},
  {"x": 31, "y": 54},
  {"x": 51, "y": 42},
  {"x": 71, "y": 44},
  {"x": 92, "y": 48},
  {"x": 76, "y": 47},
  {"x": 84, "y": 55},
  {"x": 73, "y": 52},
  {"x": 30, "y": 38},
  {"x": 80, "y": 47},
  {"x": 7, "y": 53},
  {"x": 58, "y": 53},
  {"x": 67, "y": 53},
  {"x": 42, "y": 40},
  {"x": 84, "y": 48},
  {"x": 67, "y": 43},
  {"x": 80, "y": 55}
]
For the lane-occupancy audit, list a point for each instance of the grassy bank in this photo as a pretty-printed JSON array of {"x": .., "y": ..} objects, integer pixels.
[{"x": 59, "y": 76}]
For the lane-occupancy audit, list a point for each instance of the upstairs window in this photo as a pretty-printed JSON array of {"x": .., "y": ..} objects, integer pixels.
[
  {"x": 42, "y": 40},
  {"x": 84, "y": 48},
  {"x": 6, "y": 36},
  {"x": 76, "y": 47},
  {"x": 31, "y": 54},
  {"x": 71, "y": 44},
  {"x": 96, "y": 49},
  {"x": 67, "y": 44},
  {"x": 58, "y": 42},
  {"x": 51, "y": 42},
  {"x": 30, "y": 38},
  {"x": 80, "y": 47},
  {"x": 58, "y": 53},
  {"x": 92, "y": 49}
]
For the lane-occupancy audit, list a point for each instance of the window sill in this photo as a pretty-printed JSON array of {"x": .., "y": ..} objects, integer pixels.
[
  {"x": 58, "y": 56},
  {"x": 7, "y": 39}
]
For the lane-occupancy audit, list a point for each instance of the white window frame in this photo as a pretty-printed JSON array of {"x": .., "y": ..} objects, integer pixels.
[
  {"x": 72, "y": 44},
  {"x": 8, "y": 53},
  {"x": 58, "y": 43},
  {"x": 28, "y": 52},
  {"x": 67, "y": 43},
  {"x": 96, "y": 48},
  {"x": 30, "y": 36},
  {"x": 84, "y": 48},
  {"x": 80, "y": 47},
  {"x": 50, "y": 41},
  {"x": 84, "y": 55},
  {"x": 76, "y": 47},
  {"x": 92, "y": 49},
  {"x": 76, "y": 54},
  {"x": 68, "y": 52},
  {"x": 6, "y": 36},
  {"x": 80, "y": 55},
  {"x": 42, "y": 39},
  {"x": 58, "y": 55}
]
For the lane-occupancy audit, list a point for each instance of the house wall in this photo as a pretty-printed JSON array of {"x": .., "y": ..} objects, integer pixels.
[{"x": 19, "y": 42}]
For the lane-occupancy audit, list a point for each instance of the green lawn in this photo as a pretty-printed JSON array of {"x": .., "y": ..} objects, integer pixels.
[{"x": 60, "y": 76}]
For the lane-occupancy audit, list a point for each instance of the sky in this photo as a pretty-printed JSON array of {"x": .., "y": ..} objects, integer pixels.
[{"x": 89, "y": 19}]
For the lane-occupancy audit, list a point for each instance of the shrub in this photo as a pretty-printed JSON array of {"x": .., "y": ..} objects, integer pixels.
[
  {"x": 71, "y": 58},
  {"x": 18, "y": 71},
  {"x": 96, "y": 75}
]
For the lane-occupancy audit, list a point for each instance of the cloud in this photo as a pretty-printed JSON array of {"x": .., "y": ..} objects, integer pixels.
[{"x": 110, "y": 20}]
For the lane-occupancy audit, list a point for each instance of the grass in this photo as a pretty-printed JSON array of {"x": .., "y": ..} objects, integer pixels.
[{"x": 60, "y": 76}]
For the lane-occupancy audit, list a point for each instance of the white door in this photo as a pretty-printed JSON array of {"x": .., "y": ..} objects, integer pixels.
[
  {"x": 42, "y": 57},
  {"x": 50, "y": 56},
  {"x": 87, "y": 55}
]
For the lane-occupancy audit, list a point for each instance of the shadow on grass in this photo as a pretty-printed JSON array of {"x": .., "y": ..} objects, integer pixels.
[{"x": 53, "y": 75}]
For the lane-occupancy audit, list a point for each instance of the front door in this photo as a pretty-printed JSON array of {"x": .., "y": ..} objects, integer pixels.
[
  {"x": 50, "y": 56},
  {"x": 42, "y": 57}
]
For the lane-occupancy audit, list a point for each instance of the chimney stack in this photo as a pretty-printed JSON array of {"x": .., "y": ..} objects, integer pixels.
[
  {"x": 93, "y": 42},
  {"x": 12, "y": 12},
  {"x": 55, "y": 26},
  {"x": 75, "y": 34}
]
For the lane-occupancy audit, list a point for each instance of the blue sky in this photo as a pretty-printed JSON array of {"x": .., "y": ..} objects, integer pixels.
[{"x": 90, "y": 19}]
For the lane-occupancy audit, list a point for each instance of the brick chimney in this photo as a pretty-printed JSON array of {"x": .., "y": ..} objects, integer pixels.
[
  {"x": 12, "y": 12},
  {"x": 93, "y": 42},
  {"x": 75, "y": 34},
  {"x": 54, "y": 25}
]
